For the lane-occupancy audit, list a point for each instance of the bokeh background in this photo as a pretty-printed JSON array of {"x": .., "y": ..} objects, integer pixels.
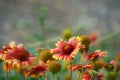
[{"x": 20, "y": 20}]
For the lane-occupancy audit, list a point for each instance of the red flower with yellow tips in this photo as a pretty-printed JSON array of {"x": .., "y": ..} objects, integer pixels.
[
  {"x": 80, "y": 66},
  {"x": 67, "y": 50},
  {"x": 37, "y": 70},
  {"x": 86, "y": 76},
  {"x": 97, "y": 54},
  {"x": 5, "y": 49},
  {"x": 18, "y": 57}
]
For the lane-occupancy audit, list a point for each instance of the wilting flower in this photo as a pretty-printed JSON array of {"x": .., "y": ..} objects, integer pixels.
[
  {"x": 18, "y": 57},
  {"x": 37, "y": 70},
  {"x": 67, "y": 50}
]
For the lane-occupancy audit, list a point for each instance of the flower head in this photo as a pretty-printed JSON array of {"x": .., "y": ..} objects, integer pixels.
[
  {"x": 115, "y": 64},
  {"x": 54, "y": 66},
  {"x": 67, "y": 50},
  {"x": 37, "y": 70},
  {"x": 19, "y": 57},
  {"x": 67, "y": 33},
  {"x": 95, "y": 55},
  {"x": 109, "y": 67},
  {"x": 5, "y": 49},
  {"x": 86, "y": 76},
  {"x": 85, "y": 40},
  {"x": 99, "y": 64},
  {"x": 80, "y": 66},
  {"x": 45, "y": 55}
]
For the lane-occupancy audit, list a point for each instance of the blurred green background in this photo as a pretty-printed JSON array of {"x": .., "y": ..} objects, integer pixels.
[{"x": 33, "y": 21}]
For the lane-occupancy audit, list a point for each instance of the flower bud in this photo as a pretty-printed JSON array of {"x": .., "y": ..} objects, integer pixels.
[
  {"x": 85, "y": 40},
  {"x": 109, "y": 67},
  {"x": 67, "y": 33},
  {"x": 45, "y": 55},
  {"x": 54, "y": 66}
]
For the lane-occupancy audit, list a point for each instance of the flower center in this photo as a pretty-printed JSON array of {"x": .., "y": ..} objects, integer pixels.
[
  {"x": 39, "y": 69},
  {"x": 22, "y": 55},
  {"x": 67, "y": 49}
]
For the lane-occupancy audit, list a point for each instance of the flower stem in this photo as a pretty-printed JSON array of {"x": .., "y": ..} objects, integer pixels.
[
  {"x": 41, "y": 78},
  {"x": 7, "y": 72},
  {"x": 108, "y": 75},
  {"x": 82, "y": 62},
  {"x": 22, "y": 74},
  {"x": 46, "y": 75},
  {"x": 54, "y": 77},
  {"x": 70, "y": 70},
  {"x": 79, "y": 75}
]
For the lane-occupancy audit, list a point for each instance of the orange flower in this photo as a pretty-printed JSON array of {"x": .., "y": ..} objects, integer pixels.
[
  {"x": 37, "y": 70},
  {"x": 5, "y": 49},
  {"x": 18, "y": 57},
  {"x": 67, "y": 50},
  {"x": 86, "y": 76},
  {"x": 80, "y": 66},
  {"x": 97, "y": 54}
]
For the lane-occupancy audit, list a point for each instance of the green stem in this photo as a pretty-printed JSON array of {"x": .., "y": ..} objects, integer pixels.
[
  {"x": 108, "y": 75},
  {"x": 82, "y": 62},
  {"x": 22, "y": 74},
  {"x": 70, "y": 70},
  {"x": 79, "y": 75},
  {"x": 41, "y": 78},
  {"x": 46, "y": 75},
  {"x": 54, "y": 77},
  {"x": 7, "y": 72}
]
